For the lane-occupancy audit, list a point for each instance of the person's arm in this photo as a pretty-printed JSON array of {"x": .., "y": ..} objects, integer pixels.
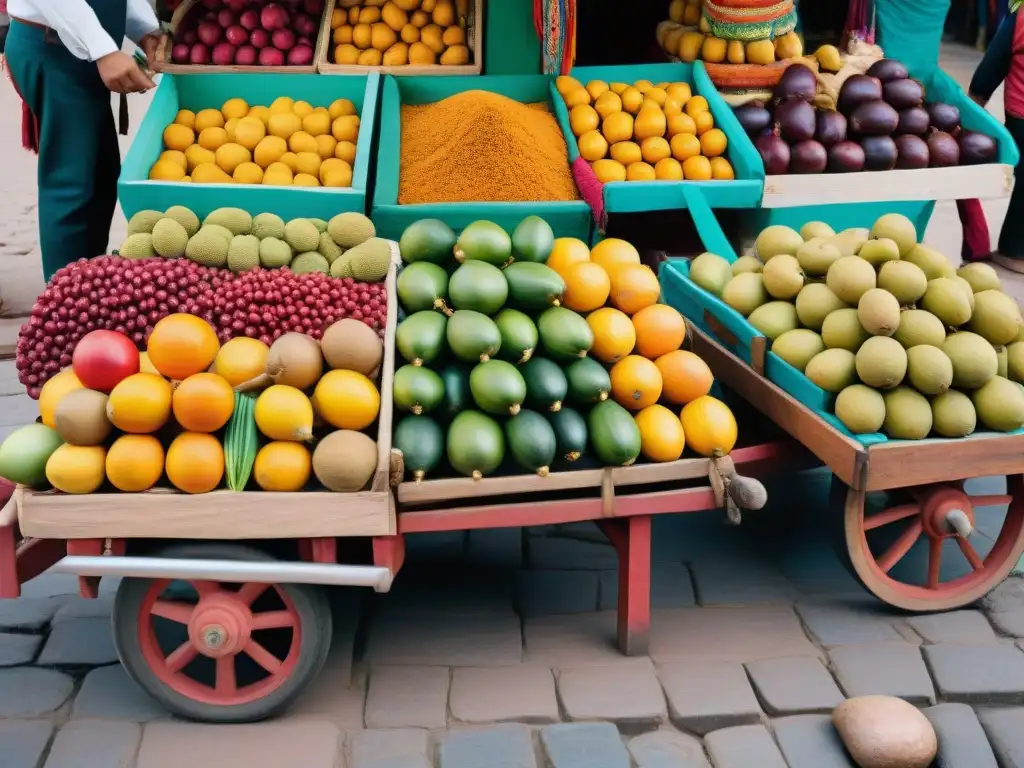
[
  {"x": 996, "y": 64},
  {"x": 143, "y": 27}
]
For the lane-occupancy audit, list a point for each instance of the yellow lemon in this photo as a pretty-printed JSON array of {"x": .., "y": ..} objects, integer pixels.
[
  {"x": 609, "y": 170},
  {"x": 618, "y": 127},
  {"x": 643, "y": 85},
  {"x": 301, "y": 141},
  {"x": 305, "y": 180},
  {"x": 345, "y": 150},
  {"x": 196, "y": 156},
  {"x": 657, "y": 95},
  {"x": 583, "y": 118},
  {"x": 175, "y": 156},
  {"x": 302, "y": 108},
  {"x": 249, "y": 132},
  {"x": 565, "y": 83},
  {"x": 335, "y": 173},
  {"x": 626, "y": 152},
  {"x": 684, "y": 146},
  {"x": 234, "y": 108},
  {"x": 248, "y": 173},
  {"x": 654, "y": 149},
  {"x": 185, "y": 117},
  {"x": 346, "y": 54},
  {"x": 284, "y": 124},
  {"x": 668, "y": 169},
  {"x": 281, "y": 105},
  {"x": 278, "y": 175},
  {"x": 230, "y": 126},
  {"x": 704, "y": 122},
  {"x": 269, "y": 150},
  {"x": 697, "y": 168},
  {"x": 308, "y": 163},
  {"x": 179, "y": 137},
  {"x": 680, "y": 123},
  {"x": 696, "y": 104},
  {"x": 166, "y": 170},
  {"x": 649, "y": 122},
  {"x": 291, "y": 160},
  {"x": 632, "y": 100},
  {"x": 230, "y": 156},
  {"x": 316, "y": 123},
  {"x": 210, "y": 173},
  {"x": 617, "y": 88},
  {"x": 713, "y": 142},
  {"x": 340, "y": 108},
  {"x": 608, "y": 103},
  {"x": 721, "y": 169},
  {"x": 592, "y": 146},
  {"x": 326, "y": 145},
  {"x": 596, "y": 87},
  {"x": 212, "y": 138},
  {"x": 260, "y": 113},
  {"x": 346, "y": 128},
  {"x": 639, "y": 172},
  {"x": 679, "y": 91},
  {"x": 576, "y": 97},
  {"x": 208, "y": 118}
]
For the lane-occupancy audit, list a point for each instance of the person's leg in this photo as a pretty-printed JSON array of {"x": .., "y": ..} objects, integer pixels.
[
  {"x": 104, "y": 199},
  {"x": 1011, "y": 237},
  {"x": 976, "y": 244}
]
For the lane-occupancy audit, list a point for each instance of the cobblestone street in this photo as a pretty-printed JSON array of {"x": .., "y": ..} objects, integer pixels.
[{"x": 496, "y": 648}]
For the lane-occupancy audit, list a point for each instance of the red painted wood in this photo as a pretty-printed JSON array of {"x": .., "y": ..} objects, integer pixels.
[
  {"x": 389, "y": 552},
  {"x": 325, "y": 550},
  {"x": 632, "y": 540},
  {"x": 37, "y": 555},
  {"x": 10, "y": 586},
  {"x": 306, "y": 550},
  {"x": 88, "y": 586}
]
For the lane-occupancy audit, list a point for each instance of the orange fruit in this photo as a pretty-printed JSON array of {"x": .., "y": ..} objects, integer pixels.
[
  {"x": 640, "y": 172},
  {"x": 668, "y": 169},
  {"x": 583, "y": 118},
  {"x": 654, "y": 149},
  {"x": 608, "y": 171},
  {"x": 618, "y": 126},
  {"x": 566, "y": 252},
  {"x": 660, "y": 329},
  {"x": 241, "y": 359},
  {"x": 140, "y": 403},
  {"x": 636, "y": 382},
  {"x": 626, "y": 152},
  {"x": 697, "y": 168},
  {"x": 704, "y": 122},
  {"x": 135, "y": 463},
  {"x": 709, "y": 425},
  {"x": 181, "y": 345},
  {"x": 586, "y": 287},
  {"x": 721, "y": 170},
  {"x": 614, "y": 334},
  {"x": 634, "y": 286},
  {"x": 195, "y": 462},
  {"x": 684, "y": 146},
  {"x": 53, "y": 392},
  {"x": 713, "y": 142},
  {"x": 612, "y": 252},
  {"x": 680, "y": 124},
  {"x": 592, "y": 146},
  {"x": 282, "y": 466},
  {"x": 696, "y": 105},
  {"x": 203, "y": 402},
  {"x": 685, "y": 376},
  {"x": 661, "y": 434}
]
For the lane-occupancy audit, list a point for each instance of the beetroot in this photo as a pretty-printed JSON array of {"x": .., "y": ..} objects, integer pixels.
[
  {"x": 271, "y": 57},
  {"x": 888, "y": 69},
  {"x": 846, "y": 157},
  {"x": 304, "y": 25},
  {"x": 874, "y": 118},
  {"x": 236, "y": 35},
  {"x": 856, "y": 90},
  {"x": 914, "y": 120},
  {"x": 943, "y": 151},
  {"x": 794, "y": 120},
  {"x": 797, "y": 82},
  {"x": 180, "y": 54},
  {"x": 225, "y": 18},
  {"x": 879, "y": 153},
  {"x": 250, "y": 19},
  {"x": 753, "y": 117},
  {"x": 912, "y": 152},
  {"x": 199, "y": 54},
  {"x": 283, "y": 39},
  {"x": 300, "y": 56},
  {"x": 774, "y": 153},
  {"x": 246, "y": 56},
  {"x": 273, "y": 16},
  {"x": 209, "y": 33},
  {"x": 259, "y": 38},
  {"x": 903, "y": 94},
  {"x": 831, "y": 127},
  {"x": 945, "y": 117},
  {"x": 223, "y": 54},
  {"x": 808, "y": 157},
  {"x": 976, "y": 148}
]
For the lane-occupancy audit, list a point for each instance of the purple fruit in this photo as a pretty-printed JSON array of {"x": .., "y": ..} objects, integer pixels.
[
  {"x": 943, "y": 151},
  {"x": 976, "y": 148},
  {"x": 911, "y": 152},
  {"x": 874, "y": 118},
  {"x": 794, "y": 119},
  {"x": 945, "y": 117},
  {"x": 903, "y": 94},
  {"x": 774, "y": 153},
  {"x": 879, "y": 153},
  {"x": 914, "y": 121},
  {"x": 856, "y": 90},
  {"x": 831, "y": 127},
  {"x": 808, "y": 157},
  {"x": 797, "y": 82},
  {"x": 753, "y": 118},
  {"x": 845, "y": 157},
  {"x": 888, "y": 69}
]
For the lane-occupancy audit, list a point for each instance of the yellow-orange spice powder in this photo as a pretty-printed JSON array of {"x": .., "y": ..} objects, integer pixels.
[{"x": 478, "y": 146}]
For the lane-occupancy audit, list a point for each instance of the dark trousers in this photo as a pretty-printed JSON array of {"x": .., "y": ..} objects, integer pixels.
[
  {"x": 1011, "y": 238},
  {"x": 79, "y": 157}
]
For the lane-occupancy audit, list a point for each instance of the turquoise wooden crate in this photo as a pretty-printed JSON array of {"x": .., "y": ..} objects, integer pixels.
[
  {"x": 636, "y": 196},
  {"x": 567, "y": 219},
  {"x": 196, "y": 92}
]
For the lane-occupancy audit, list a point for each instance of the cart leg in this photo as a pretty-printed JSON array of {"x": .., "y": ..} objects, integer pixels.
[
  {"x": 631, "y": 537},
  {"x": 10, "y": 586},
  {"x": 389, "y": 552}
]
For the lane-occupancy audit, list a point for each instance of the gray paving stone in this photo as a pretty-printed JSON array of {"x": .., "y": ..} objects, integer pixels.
[
  {"x": 447, "y": 641},
  {"x": 83, "y": 608},
  {"x": 744, "y": 746},
  {"x": 570, "y": 554},
  {"x": 547, "y": 593},
  {"x": 18, "y": 649},
  {"x": 667, "y": 749},
  {"x": 407, "y": 697},
  {"x": 798, "y": 685},
  {"x": 955, "y": 627},
  {"x": 500, "y": 548},
  {"x": 1005, "y": 606},
  {"x": 810, "y": 741},
  {"x": 584, "y": 745},
  {"x": 429, "y": 593},
  {"x": 24, "y": 742},
  {"x": 95, "y": 744},
  {"x": 962, "y": 742},
  {"x": 671, "y": 587},
  {"x": 524, "y": 694},
  {"x": 1008, "y": 622},
  {"x": 393, "y": 748},
  {"x": 1005, "y": 731},
  {"x": 439, "y": 546},
  {"x": 707, "y": 696},
  {"x": 851, "y": 624},
  {"x": 626, "y": 693},
  {"x": 50, "y": 585},
  {"x": 575, "y": 640},
  {"x": 977, "y": 674},
  {"x": 739, "y": 580},
  {"x": 79, "y": 642},
  {"x": 500, "y": 746},
  {"x": 31, "y": 692},
  {"x": 887, "y": 668},
  {"x": 29, "y": 614},
  {"x": 108, "y": 692}
]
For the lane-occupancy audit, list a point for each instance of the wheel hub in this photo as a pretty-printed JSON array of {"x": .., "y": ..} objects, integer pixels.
[
  {"x": 946, "y": 512},
  {"x": 220, "y": 626}
]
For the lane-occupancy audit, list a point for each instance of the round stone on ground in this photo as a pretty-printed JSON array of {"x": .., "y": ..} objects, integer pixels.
[{"x": 885, "y": 732}]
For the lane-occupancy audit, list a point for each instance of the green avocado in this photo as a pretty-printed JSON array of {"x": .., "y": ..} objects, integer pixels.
[
  {"x": 427, "y": 240},
  {"x": 472, "y": 336},
  {"x": 588, "y": 380},
  {"x": 564, "y": 335},
  {"x": 420, "y": 337},
  {"x": 532, "y": 240},
  {"x": 476, "y": 445},
  {"x": 570, "y": 433},
  {"x": 417, "y": 389},
  {"x": 421, "y": 286},
  {"x": 614, "y": 434},
  {"x": 531, "y": 440},
  {"x": 457, "y": 396},
  {"x": 519, "y": 337},
  {"x": 421, "y": 442},
  {"x": 486, "y": 241},
  {"x": 546, "y": 386},
  {"x": 498, "y": 387},
  {"x": 533, "y": 287},
  {"x": 478, "y": 286}
]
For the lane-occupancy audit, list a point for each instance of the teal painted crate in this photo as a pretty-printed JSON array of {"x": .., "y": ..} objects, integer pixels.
[
  {"x": 567, "y": 219},
  {"x": 637, "y": 196},
  {"x": 195, "y": 92}
]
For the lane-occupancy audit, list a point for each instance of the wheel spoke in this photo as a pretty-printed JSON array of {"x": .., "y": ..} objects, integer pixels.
[
  {"x": 900, "y": 547},
  {"x": 262, "y": 656},
  {"x": 273, "y": 620},
  {"x": 173, "y": 610},
  {"x": 225, "y": 679},
  {"x": 989, "y": 501},
  {"x": 970, "y": 553},
  {"x": 250, "y": 591},
  {"x": 934, "y": 562},
  {"x": 890, "y": 515},
  {"x": 180, "y": 657},
  {"x": 205, "y": 587}
]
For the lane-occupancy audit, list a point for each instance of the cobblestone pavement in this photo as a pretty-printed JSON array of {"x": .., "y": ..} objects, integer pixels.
[{"x": 496, "y": 648}]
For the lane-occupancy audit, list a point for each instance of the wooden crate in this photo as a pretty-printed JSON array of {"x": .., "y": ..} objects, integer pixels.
[
  {"x": 163, "y": 55},
  {"x": 163, "y": 513},
  {"x": 474, "y": 39}
]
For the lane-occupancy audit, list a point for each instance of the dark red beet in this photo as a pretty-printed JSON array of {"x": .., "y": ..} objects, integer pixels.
[
  {"x": 831, "y": 127},
  {"x": 943, "y": 151},
  {"x": 945, "y": 117},
  {"x": 846, "y": 157},
  {"x": 808, "y": 157},
  {"x": 754, "y": 118},
  {"x": 911, "y": 152},
  {"x": 794, "y": 119},
  {"x": 774, "y": 153},
  {"x": 888, "y": 69},
  {"x": 976, "y": 148},
  {"x": 914, "y": 121},
  {"x": 797, "y": 82},
  {"x": 874, "y": 118},
  {"x": 879, "y": 153},
  {"x": 856, "y": 90},
  {"x": 903, "y": 94}
]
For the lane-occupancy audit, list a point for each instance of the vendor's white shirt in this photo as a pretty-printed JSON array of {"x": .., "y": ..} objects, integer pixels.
[{"x": 77, "y": 25}]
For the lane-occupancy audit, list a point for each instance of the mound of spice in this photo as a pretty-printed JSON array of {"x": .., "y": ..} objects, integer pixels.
[{"x": 478, "y": 146}]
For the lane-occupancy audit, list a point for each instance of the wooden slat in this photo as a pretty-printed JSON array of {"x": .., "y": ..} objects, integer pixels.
[
  {"x": 839, "y": 452},
  {"x": 381, "y": 481},
  {"x": 904, "y": 463}
]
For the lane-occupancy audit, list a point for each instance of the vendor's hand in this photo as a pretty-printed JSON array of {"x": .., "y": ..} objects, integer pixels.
[
  {"x": 121, "y": 74},
  {"x": 149, "y": 45}
]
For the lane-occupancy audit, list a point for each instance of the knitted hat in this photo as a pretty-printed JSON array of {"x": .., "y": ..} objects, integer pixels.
[{"x": 749, "y": 19}]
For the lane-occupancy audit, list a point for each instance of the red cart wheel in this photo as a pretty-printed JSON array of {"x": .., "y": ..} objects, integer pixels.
[
  {"x": 218, "y": 652},
  {"x": 915, "y": 550}
]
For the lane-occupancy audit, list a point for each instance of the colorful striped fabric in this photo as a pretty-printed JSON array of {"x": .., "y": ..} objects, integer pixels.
[
  {"x": 555, "y": 24},
  {"x": 750, "y": 19}
]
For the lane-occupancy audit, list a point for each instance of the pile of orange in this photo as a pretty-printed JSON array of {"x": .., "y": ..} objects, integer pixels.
[
  {"x": 645, "y": 131},
  {"x": 640, "y": 340}
]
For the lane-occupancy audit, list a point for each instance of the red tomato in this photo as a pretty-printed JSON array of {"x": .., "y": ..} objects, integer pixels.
[{"x": 102, "y": 358}]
